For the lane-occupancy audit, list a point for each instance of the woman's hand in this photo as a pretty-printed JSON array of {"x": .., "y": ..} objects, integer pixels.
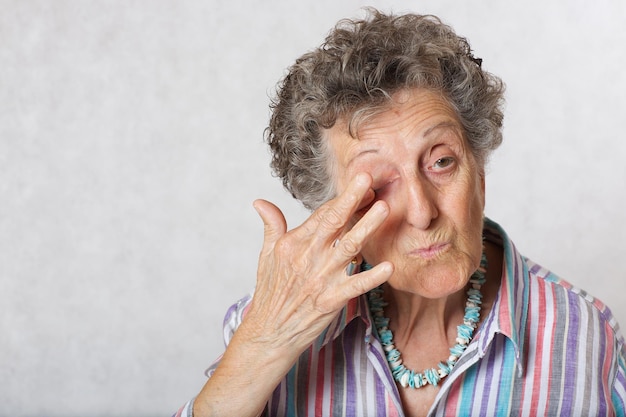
[
  {"x": 301, "y": 286},
  {"x": 302, "y": 281}
]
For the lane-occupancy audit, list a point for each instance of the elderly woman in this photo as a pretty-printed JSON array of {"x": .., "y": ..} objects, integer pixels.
[{"x": 397, "y": 296}]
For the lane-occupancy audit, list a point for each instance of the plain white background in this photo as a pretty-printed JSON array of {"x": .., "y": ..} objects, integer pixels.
[{"x": 131, "y": 150}]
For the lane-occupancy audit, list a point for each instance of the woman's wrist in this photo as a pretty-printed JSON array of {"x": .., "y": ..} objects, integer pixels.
[{"x": 246, "y": 376}]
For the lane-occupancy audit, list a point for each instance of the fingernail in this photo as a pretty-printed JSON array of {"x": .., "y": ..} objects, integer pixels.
[
  {"x": 386, "y": 267},
  {"x": 362, "y": 178},
  {"x": 380, "y": 207}
]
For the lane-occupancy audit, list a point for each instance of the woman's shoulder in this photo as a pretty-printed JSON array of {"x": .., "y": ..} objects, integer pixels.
[
  {"x": 544, "y": 294},
  {"x": 553, "y": 293}
]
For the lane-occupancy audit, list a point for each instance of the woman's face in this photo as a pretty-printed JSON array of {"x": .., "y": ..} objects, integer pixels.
[{"x": 422, "y": 167}]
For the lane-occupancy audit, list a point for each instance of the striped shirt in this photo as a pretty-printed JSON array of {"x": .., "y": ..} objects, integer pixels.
[{"x": 545, "y": 349}]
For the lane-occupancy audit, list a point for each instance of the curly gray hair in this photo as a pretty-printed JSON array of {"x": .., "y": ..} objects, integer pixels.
[{"x": 354, "y": 73}]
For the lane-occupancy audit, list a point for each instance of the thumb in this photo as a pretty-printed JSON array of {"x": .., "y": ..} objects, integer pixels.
[{"x": 274, "y": 223}]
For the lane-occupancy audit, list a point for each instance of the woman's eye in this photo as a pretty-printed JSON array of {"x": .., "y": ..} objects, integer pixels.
[{"x": 443, "y": 162}]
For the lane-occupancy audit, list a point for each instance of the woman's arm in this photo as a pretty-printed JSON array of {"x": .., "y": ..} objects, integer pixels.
[{"x": 301, "y": 286}]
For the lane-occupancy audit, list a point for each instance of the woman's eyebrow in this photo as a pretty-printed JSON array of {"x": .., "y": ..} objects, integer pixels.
[{"x": 446, "y": 124}]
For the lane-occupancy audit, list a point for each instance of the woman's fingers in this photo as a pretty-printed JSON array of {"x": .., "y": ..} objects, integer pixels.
[
  {"x": 301, "y": 270},
  {"x": 349, "y": 287},
  {"x": 334, "y": 215},
  {"x": 330, "y": 221},
  {"x": 364, "y": 281},
  {"x": 352, "y": 241}
]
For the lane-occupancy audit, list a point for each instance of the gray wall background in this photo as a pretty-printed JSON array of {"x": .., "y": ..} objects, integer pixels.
[{"x": 131, "y": 149}]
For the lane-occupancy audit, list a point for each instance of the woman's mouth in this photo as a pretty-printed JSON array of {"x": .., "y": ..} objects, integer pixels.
[{"x": 431, "y": 251}]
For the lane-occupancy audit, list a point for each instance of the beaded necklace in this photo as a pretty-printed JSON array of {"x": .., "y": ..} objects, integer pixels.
[{"x": 410, "y": 378}]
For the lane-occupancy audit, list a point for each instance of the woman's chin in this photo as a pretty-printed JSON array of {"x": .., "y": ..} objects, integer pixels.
[{"x": 431, "y": 281}]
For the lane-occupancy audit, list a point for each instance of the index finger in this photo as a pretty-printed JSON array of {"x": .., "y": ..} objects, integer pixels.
[{"x": 331, "y": 219}]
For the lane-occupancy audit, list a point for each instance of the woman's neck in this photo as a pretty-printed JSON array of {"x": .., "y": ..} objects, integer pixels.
[{"x": 412, "y": 316}]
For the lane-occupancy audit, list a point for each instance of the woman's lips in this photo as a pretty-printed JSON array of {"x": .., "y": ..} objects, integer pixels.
[{"x": 431, "y": 251}]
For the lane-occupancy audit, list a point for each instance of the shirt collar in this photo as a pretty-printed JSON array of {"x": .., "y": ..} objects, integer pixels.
[{"x": 510, "y": 310}]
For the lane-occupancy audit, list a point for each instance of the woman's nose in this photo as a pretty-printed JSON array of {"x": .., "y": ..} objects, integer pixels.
[{"x": 421, "y": 208}]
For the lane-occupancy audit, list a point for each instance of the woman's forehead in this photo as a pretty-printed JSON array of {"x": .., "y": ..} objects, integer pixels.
[
  {"x": 414, "y": 113},
  {"x": 406, "y": 105}
]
